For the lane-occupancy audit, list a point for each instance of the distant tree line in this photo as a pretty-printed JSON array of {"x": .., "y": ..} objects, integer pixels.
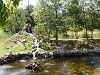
[{"x": 53, "y": 17}]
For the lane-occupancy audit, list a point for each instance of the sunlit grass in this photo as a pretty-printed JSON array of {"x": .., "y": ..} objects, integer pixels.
[
  {"x": 7, "y": 46},
  {"x": 96, "y": 34},
  {"x": 13, "y": 44}
]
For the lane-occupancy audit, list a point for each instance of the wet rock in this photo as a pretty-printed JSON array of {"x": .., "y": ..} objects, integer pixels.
[
  {"x": 61, "y": 52},
  {"x": 43, "y": 55},
  {"x": 47, "y": 55},
  {"x": 35, "y": 66},
  {"x": 14, "y": 57},
  {"x": 24, "y": 56},
  {"x": 2, "y": 61}
]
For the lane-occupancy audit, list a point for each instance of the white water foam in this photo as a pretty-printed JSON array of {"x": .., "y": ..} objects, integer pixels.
[{"x": 35, "y": 44}]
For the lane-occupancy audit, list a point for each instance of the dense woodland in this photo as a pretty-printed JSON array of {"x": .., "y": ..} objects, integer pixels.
[{"x": 51, "y": 18}]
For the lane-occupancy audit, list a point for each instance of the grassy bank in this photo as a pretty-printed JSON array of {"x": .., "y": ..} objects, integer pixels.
[
  {"x": 17, "y": 43},
  {"x": 14, "y": 43},
  {"x": 78, "y": 43}
]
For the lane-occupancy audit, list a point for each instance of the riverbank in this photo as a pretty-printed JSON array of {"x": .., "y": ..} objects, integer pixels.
[
  {"x": 22, "y": 43},
  {"x": 19, "y": 46},
  {"x": 60, "y": 52}
]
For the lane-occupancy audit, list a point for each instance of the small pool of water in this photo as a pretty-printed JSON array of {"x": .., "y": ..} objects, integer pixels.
[{"x": 68, "y": 66}]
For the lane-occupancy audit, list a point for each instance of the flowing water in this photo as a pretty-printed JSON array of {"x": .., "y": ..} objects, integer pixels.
[
  {"x": 35, "y": 40},
  {"x": 68, "y": 66},
  {"x": 35, "y": 44}
]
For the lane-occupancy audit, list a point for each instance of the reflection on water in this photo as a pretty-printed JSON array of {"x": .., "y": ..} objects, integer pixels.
[
  {"x": 69, "y": 66},
  {"x": 19, "y": 72}
]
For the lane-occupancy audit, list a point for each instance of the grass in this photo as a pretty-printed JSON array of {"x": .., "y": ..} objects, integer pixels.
[
  {"x": 96, "y": 34},
  {"x": 81, "y": 43},
  {"x": 14, "y": 44}
]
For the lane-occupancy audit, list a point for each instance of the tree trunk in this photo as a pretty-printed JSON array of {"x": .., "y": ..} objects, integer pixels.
[
  {"x": 56, "y": 36},
  {"x": 48, "y": 36},
  {"x": 56, "y": 17},
  {"x": 92, "y": 26},
  {"x": 91, "y": 34},
  {"x": 86, "y": 34}
]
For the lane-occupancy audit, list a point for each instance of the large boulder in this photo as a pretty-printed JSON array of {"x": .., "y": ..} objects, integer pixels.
[{"x": 35, "y": 66}]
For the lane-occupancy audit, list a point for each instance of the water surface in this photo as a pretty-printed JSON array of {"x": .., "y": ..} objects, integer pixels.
[{"x": 68, "y": 66}]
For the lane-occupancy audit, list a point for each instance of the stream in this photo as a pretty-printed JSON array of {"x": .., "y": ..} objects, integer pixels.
[{"x": 68, "y": 66}]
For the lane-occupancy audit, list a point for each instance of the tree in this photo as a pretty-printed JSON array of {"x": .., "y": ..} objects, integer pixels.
[
  {"x": 93, "y": 16},
  {"x": 6, "y": 8},
  {"x": 90, "y": 16},
  {"x": 29, "y": 19},
  {"x": 16, "y": 21},
  {"x": 74, "y": 11},
  {"x": 51, "y": 14}
]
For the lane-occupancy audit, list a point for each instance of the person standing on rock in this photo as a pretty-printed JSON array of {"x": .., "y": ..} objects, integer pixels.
[{"x": 29, "y": 29}]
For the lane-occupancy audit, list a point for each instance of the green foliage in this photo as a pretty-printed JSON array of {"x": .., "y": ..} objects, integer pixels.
[
  {"x": 28, "y": 16},
  {"x": 6, "y": 8},
  {"x": 15, "y": 22},
  {"x": 52, "y": 18}
]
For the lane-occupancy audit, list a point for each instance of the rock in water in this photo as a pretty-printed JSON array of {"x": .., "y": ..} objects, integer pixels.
[{"x": 35, "y": 66}]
